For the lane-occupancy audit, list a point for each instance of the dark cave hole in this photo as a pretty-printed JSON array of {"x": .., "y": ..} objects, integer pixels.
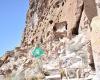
[{"x": 51, "y": 21}]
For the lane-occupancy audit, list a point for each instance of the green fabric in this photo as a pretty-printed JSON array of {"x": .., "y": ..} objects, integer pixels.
[{"x": 37, "y": 52}]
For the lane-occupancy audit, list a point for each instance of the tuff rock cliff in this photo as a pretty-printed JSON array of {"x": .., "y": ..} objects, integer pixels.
[{"x": 61, "y": 28}]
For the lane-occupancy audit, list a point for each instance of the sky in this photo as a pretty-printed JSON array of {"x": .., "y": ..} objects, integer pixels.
[{"x": 12, "y": 23}]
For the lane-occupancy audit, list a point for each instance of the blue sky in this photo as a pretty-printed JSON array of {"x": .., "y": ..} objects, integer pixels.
[{"x": 12, "y": 23}]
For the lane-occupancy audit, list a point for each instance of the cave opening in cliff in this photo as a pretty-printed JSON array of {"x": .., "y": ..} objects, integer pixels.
[
  {"x": 75, "y": 31},
  {"x": 60, "y": 30},
  {"x": 63, "y": 4},
  {"x": 32, "y": 42},
  {"x": 61, "y": 26},
  {"x": 41, "y": 40},
  {"x": 51, "y": 21},
  {"x": 57, "y": 4}
]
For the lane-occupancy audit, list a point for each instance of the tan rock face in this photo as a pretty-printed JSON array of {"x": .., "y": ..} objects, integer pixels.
[
  {"x": 40, "y": 15},
  {"x": 95, "y": 40},
  {"x": 90, "y": 8},
  {"x": 95, "y": 34},
  {"x": 98, "y": 6}
]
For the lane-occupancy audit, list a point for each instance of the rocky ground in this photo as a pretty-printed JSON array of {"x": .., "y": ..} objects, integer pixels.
[{"x": 66, "y": 61}]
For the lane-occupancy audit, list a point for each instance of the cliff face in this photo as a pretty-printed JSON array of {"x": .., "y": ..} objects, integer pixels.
[
  {"x": 61, "y": 28},
  {"x": 43, "y": 15}
]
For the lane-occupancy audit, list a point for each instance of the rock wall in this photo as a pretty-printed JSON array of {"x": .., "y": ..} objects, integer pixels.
[
  {"x": 42, "y": 16},
  {"x": 95, "y": 40},
  {"x": 41, "y": 20}
]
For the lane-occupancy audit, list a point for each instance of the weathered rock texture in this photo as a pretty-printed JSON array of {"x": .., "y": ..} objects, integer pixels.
[
  {"x": 52, "y": 12},
  {"x": 61, "y": 28},
  {"x": 95, "y": 40}
]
